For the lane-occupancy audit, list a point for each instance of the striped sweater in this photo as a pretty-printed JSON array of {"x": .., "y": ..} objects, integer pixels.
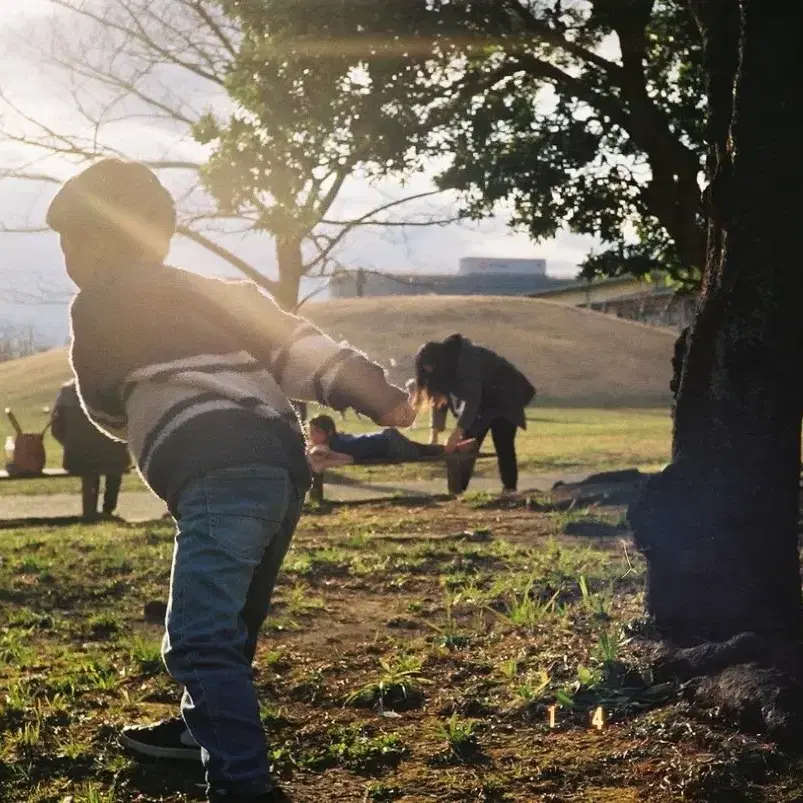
[{"x": 196, "y": 374}]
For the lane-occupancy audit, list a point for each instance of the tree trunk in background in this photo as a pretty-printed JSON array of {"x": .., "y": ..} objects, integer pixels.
[
  {"x": 290, "y": 262},
  {"x": 719, "y": 527}
]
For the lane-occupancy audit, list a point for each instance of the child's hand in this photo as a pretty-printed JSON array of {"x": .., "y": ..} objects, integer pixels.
[{"x": 403, "y": 415}]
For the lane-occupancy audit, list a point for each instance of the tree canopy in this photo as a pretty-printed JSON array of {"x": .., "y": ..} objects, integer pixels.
[
  {"x": 303, "y": 124},
  {"x": 588, "y": 115}
]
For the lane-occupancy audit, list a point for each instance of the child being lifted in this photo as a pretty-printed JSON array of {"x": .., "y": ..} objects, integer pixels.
[{"x": 330, "y": 447}]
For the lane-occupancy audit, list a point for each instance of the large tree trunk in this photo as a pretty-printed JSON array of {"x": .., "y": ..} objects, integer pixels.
[
  {"x": 290, "y": 261},
  {"x": 719, "y": 527}
]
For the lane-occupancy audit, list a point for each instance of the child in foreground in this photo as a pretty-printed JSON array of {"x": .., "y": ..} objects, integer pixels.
[{"x": 195, "y": 374}]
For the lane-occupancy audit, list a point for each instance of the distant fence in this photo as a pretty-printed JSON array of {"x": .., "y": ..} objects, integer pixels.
[{"x": 668, "y": 310}]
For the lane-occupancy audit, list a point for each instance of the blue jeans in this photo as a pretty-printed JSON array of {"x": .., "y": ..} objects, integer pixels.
[{"x": 234, "y": 528}]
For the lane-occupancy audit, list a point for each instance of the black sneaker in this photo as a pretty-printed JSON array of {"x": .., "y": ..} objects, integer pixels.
[{"x": 168, "y": 739}]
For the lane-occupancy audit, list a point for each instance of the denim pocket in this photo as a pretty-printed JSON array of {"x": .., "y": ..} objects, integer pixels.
[{"x": 246, "y": 508}]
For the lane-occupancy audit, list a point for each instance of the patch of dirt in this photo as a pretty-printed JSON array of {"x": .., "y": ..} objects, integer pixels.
[{"x": 448, "y": 651}]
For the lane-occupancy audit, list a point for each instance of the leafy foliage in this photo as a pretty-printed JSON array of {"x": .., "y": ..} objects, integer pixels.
[
  {"x": 581, "y": 114},
  {"x": 299, "y": 130}
]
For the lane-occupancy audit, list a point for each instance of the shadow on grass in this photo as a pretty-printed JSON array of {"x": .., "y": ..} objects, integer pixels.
[
  {"x": 64, "y": 521},
  {"x": 156, "y": 777},
  {"x": 385, "y": 487},
  {"x": 404, "y": 501},
  {"x": 42, "y": 521}
]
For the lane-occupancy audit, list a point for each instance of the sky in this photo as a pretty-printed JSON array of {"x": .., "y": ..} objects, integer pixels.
[{"x": 30, "y": 261}]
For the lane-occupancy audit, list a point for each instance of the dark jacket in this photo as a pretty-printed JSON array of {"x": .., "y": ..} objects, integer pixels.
[
  {"x": 86, "y": 449},
  {"x": 484, "y": 386}
]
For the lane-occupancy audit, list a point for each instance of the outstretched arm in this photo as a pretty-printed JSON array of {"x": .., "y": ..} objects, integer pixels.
[
  {"x": 321, "y": 459},
  {"x": 310, "y": 366}
]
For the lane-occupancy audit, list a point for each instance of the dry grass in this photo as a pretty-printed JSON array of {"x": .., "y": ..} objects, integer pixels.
[
  {"x": 576, "y": 357},
  {"x": 28, "y": 384}
]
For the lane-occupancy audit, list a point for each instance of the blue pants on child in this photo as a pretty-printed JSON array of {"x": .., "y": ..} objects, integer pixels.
[{"x": 234, "y": 528}]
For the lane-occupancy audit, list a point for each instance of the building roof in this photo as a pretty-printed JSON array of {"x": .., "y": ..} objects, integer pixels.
[
  {"x": 449, "y": 284},
  {"x": 582, "y": 284}
]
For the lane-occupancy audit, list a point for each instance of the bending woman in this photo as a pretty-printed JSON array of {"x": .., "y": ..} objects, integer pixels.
[{"x": 486, "y": 393}]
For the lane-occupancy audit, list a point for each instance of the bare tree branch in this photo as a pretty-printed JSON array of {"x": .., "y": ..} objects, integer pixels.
[
  {"x": 129, "y": 67},
  {"x": 326, "y": 201},
  {"x": 312, "y": 295},
  {"x": 218, "y": 250},
  {"x": 251, "y": 218},
  {"x": 368, "y": 218},
  {"x": 26, "y": 176},
  {"x": 547, "y": 34},
  {"x": 136, "y": 31},
  {"x": 127, "y": 86},
  {"x": 51, "y": 140},
  {"x": 214, "y": 26},
  {"x": 327, "y": 243},
  {"x": 45, "y": 292}
]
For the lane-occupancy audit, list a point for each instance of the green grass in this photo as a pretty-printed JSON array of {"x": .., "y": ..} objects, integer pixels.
[
  {"x": 422, "y": 664},
  {"x": 556, "y": 441}
]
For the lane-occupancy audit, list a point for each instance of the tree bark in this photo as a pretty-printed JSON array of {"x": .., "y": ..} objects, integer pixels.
[
  {"x": 719, "y": 527},
  {"x": 290, "y": 261}
]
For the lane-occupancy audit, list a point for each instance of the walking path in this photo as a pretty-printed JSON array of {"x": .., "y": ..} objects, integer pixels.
[{"x": 143, "y": 506}]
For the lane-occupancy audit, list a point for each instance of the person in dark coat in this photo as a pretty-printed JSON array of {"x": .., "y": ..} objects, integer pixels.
[
  {"x": 88, "y": 453},
  {"x": 484, "y": 391}
]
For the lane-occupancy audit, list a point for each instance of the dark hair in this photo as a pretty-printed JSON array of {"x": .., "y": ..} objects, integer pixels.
[
  {"x": 119, "y": 200},
  {"x": 325, "y": 423},
  {"x": 441, "y": 358}
]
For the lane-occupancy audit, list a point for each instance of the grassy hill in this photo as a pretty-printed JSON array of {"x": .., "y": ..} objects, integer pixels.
[
  {"x": 575, "y": 357},
  {"x": 28, "y": 384}
]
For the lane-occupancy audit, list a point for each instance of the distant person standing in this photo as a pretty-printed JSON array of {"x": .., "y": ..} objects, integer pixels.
[
  {"x": 88, "y": 453},
  {"x": 486, "y": 393}
]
